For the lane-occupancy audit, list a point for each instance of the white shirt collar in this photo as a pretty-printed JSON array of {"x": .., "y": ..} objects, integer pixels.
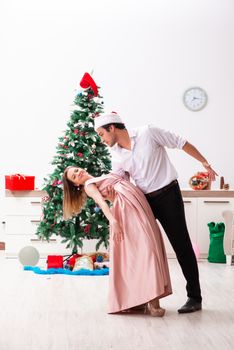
[{"x": 132, "y": 134}]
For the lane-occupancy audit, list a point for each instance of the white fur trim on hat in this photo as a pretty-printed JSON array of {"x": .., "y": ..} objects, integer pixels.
[{"x": 106, "y": 119}]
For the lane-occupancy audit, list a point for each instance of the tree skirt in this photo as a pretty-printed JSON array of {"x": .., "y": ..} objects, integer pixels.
[{"x": 82, "y": 272}]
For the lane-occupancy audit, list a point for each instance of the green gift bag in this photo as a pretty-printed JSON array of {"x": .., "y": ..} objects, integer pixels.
[{"x": 216, "y": 252}]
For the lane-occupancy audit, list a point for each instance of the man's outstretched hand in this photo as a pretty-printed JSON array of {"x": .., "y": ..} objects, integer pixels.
[{"x": 211, "y": 172}]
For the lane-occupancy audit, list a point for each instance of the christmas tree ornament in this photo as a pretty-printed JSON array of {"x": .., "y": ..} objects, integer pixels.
[
  {"x": 87, "y": 228},
  {"x": 45, "y": 199},
  {"x": 94, "y": 115},
  {"x": 99, "y": 258},
  {"x": 54, "y": 183},
  {"x": 97, "y": 209}
]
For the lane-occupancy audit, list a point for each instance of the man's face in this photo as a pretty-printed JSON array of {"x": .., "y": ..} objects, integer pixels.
[{"x": 107, "y": 137}]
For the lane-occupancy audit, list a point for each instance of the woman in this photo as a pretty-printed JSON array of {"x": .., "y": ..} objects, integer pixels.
[{"x": 138, "y": 265}]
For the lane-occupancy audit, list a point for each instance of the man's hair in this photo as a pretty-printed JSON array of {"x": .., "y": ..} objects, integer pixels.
[{"x": 116, "y": 125}]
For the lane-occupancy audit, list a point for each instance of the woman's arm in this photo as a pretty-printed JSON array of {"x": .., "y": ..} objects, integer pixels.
[{"x": 93, "y": 192}]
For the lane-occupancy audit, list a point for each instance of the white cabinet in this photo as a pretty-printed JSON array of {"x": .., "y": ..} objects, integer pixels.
[
  {"x": 22, "y": 216},
  {"x": 228, "y": 242},
  {"x": 202, "y": 207},
  {"x": 207, "y": 207},
  {"x": 190, "y": 207},
  {"x": 23, "y": 213}
]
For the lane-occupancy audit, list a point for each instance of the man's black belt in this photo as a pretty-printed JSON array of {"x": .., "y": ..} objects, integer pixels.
[{"x": 161, "y": 190}]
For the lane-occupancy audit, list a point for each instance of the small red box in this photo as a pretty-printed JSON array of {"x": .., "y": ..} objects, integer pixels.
[
  {"x": 54, "y": 262},
  {"x": 19, "y": 182}
]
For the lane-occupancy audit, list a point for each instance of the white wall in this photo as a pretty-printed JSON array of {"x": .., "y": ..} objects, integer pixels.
[{"x": 144, "y": 54}]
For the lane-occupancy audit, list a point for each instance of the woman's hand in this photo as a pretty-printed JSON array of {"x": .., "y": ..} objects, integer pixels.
[
  {"x": 109, "y": 193},
  {"x": 117, "y": 232}
]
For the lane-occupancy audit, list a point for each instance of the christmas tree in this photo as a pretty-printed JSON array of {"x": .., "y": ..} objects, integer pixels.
[{"x": 79, "y": 146}]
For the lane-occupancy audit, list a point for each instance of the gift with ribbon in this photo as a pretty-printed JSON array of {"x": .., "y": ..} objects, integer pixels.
[
  {"x": 54, "y": 261},
  {"x": 19, "y": 182}
]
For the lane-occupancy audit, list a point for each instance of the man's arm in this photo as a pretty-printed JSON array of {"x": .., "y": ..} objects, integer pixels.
[
  {"x": 193, "y": 152},
  {"x": 109, "y": 193}
]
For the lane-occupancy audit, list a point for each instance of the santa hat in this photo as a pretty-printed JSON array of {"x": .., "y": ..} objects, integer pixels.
[{"x": 105, "y": 119}]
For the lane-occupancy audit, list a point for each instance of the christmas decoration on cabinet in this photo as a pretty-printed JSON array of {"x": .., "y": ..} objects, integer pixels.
[{"x": 200, "y": 181}]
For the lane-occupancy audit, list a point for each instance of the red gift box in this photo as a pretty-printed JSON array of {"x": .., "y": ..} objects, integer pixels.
[
  {"x": 19, "y": 182},
  {"x": 54, "y": 261}
]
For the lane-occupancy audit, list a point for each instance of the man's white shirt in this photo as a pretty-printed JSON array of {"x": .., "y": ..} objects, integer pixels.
[{"x": 147, "y": 162}]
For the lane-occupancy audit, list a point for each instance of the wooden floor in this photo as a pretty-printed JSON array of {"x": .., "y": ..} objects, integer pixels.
[{"x": 61, "y": 312}]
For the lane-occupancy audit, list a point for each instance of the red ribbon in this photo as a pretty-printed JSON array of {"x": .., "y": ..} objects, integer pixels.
[{"x": 19, "y": 176}]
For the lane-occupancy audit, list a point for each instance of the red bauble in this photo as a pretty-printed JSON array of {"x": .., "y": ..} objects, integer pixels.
[{"x": 87, "y": 229}]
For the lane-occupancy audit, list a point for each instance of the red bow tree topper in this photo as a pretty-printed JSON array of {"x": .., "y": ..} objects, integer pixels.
[{"x": 88, "y": 82}]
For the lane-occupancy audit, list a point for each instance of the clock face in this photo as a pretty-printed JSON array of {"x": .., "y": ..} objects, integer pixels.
[{"x": 195, "y": 99}]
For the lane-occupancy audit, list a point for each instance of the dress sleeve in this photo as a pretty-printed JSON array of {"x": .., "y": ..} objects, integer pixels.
[
  {"x": 90, "y": 181},
  {"x": 166, "y": 138}
]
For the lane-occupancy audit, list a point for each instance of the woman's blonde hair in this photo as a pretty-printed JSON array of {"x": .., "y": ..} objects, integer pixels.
[{"x": 74, "y": 197}]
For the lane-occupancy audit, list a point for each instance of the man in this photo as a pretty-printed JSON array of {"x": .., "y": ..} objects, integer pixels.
[{"x": 141, "y": 153}]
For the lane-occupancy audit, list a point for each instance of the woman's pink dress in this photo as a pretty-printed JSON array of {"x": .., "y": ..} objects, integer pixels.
[{"x": 138, "y": 264}]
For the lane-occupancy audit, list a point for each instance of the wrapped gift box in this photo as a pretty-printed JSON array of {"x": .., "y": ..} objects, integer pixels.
[
  {"x": 54, "y": 262},
  {"x": 19, "y": 182}
]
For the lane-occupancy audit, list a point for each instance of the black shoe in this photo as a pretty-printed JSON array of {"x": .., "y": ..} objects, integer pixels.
[{"x": 191, "y": 305}]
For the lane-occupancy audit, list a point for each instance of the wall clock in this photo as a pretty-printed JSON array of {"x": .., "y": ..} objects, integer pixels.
[{"x": 195, "y": 98}]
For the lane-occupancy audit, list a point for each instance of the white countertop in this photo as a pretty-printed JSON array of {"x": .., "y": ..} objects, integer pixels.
[{"x": 185, "y": 193}]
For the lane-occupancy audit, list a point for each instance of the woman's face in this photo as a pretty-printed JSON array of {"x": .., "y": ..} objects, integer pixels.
[{"x": 78, "y": 176}]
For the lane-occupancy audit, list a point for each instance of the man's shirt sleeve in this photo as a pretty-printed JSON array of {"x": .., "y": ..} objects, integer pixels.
[{"x": 166, "y": 138}]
